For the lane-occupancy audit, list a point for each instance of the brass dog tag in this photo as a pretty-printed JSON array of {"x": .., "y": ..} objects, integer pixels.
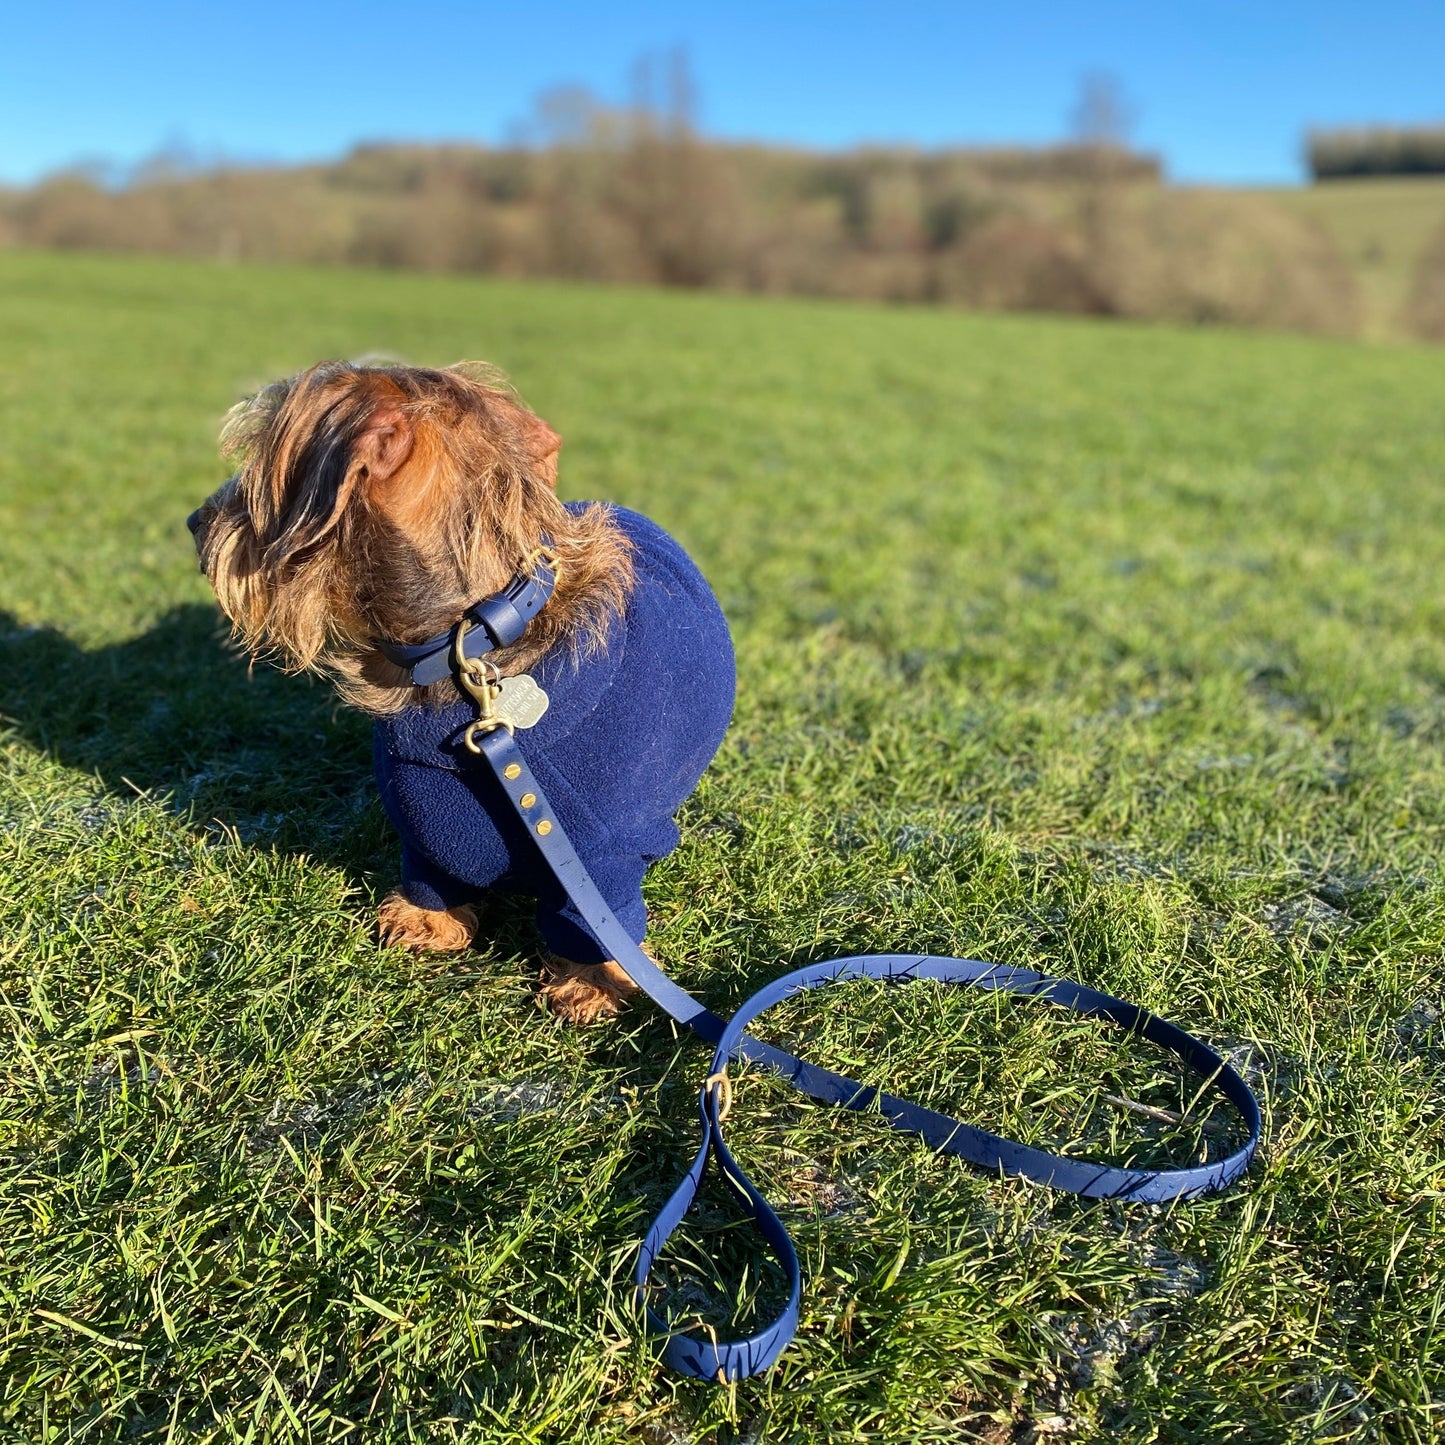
[{"x": 520, "y": 701}]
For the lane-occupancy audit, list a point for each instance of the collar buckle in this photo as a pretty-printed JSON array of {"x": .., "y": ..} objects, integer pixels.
[
  {"x": 544, "y": 555},
  {"x": 501, "y": 618}
]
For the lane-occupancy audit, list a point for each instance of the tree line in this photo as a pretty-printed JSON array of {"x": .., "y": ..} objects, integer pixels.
[
  {"x": 1376, "y": 151},
  {"x": 637, "y": 195}
]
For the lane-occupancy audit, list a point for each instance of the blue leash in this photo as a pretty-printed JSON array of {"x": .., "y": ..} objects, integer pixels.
[{"x": 721, "y": 1361}]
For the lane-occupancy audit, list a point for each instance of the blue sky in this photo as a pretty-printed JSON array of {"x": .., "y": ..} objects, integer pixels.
[{"x": 1223, "y": 91}]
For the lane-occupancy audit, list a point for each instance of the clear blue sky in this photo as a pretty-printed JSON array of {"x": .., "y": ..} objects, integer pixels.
[{"x": 1222, "y": 90}]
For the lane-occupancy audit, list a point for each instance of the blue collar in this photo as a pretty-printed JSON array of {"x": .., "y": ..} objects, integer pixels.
[{"x": 497, "y": 622}]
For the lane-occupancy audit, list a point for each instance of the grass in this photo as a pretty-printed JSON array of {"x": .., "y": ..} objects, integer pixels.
[
  {"x": 1113, "y": 651},
  {"x": 1382, "y": 226}
]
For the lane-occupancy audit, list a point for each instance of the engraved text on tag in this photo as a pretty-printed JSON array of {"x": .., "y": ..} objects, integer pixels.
[{"x": 520, "y": 701}]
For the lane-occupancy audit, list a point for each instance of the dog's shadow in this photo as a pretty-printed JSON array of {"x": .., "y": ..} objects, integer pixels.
[{"x": 177, "y": 713}]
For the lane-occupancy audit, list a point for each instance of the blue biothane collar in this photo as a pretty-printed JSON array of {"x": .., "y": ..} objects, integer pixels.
[{"x": 497, "y": 622}]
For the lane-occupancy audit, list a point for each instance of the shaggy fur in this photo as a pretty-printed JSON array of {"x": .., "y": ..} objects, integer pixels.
[
  {"x": 380, "y": 502},
  {"x": 583, "y": 993}
]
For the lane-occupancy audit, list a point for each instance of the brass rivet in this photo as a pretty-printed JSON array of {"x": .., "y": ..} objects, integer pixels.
[
  {"x": 528, "y": 799},
  {"x": 512, "y": 770},
  {"x": 544, "y": 827}
]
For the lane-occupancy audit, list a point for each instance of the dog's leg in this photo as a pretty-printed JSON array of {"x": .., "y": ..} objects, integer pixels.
[
  {"x": 581, "y": 993},
  {"x": 425, "y": 930}
]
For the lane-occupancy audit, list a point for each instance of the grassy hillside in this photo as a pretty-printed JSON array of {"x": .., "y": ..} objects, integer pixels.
[
  {"x": 1382, "y": 226},
  {"x": 1115, "y": 651}
]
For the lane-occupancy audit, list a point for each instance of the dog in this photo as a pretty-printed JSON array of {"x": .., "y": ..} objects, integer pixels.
[{"x": 372, "y": 507}]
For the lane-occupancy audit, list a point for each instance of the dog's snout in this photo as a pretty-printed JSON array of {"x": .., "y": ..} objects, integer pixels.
[{"x": 193, "y": 522}]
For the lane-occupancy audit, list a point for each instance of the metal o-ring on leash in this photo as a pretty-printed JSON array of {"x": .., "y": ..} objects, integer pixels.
[{"x": 723, "y": 1102}]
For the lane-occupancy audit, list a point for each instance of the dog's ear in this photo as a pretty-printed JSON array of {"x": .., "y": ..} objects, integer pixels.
[
  {"x": 491, "y": 401},
  {"x": 361, "y": 442},
  {"x": 541, "y": 442},
  {"x": 383, "y": 445}
]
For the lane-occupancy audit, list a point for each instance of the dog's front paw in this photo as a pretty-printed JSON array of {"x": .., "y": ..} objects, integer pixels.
[
  {"x": 582, "y": 993},
  {"x": 425, "y": 930}
]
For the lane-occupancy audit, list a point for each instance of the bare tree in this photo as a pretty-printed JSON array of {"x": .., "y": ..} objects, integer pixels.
[
  {"x": 681, "y": 95},
  {"x": 565, "y": 115},
  {"x": 1102, "y": 118},
  {"x": 679, "y": 195},
  {"x": 1101, "y": 123}
]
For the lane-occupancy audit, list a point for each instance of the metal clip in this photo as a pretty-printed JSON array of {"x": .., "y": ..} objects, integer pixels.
[{"x": 482, "y": 682}]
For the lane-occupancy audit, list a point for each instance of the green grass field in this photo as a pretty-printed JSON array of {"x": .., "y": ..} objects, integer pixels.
[{"x": 1114, "y": 651}]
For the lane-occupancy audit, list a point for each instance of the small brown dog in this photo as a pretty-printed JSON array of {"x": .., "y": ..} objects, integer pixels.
[{"x": 378, "y": 504}]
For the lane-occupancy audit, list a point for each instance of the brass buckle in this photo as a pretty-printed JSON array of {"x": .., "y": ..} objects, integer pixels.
[{"x": 544, "y": 554}]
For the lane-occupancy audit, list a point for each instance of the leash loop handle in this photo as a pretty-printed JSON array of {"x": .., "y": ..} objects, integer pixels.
[{"x": 717, "y": 1360}]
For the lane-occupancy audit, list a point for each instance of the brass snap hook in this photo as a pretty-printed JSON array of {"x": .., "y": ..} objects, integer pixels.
[
  {"x": 471, "y": 739},
  {"x": 482, "y": 682}
]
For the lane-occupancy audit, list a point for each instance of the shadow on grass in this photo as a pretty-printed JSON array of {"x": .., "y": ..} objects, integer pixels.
[
  {"x": 278, "y": 760},
  {"x": 177, "y": 712}
]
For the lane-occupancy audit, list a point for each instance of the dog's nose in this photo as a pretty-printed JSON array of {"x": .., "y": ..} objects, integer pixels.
[{"x": 194, "y": 521}]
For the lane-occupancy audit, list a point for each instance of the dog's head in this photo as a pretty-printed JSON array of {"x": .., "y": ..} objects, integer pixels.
[{"x": 379, "y": 502}]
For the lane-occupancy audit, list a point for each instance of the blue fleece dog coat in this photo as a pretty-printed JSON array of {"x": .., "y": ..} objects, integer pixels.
[{"x": 628, "y": 732}]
